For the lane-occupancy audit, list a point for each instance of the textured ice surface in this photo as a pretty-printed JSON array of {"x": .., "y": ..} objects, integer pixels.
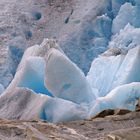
[
  {"x": 127, "y": 38},
  {"x": 127, "y": 14},
  {"x": 108, "y": 72},
  {"x": 102, "y": 73},
  {"x": 65, "y": 80},
  {"x": 1, "y": 88},
  {"x": 25, "y": 104},
  {"x": 122, "y": 97},
  {"x": 92, "y": 36},
  {"x": 113, "y": 80}
]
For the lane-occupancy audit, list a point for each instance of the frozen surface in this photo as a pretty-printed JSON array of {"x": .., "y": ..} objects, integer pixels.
[
  {"x": 122, "y": 97},
  {"x": 25, "y": 104},
  {"x": 127, "y": 38},
  {"x": 129, "y": 69},
  {"x": 113, "y": 82},
  {"x": 70, "y": 81},
  {"x": 1, "y": 88},
  {"x": 102, "y": 73},
  {"x": 33, "y": 75},
  {"x": 108, "y": 72},
  {"x": 50, "y": 82},
  {"x": 127, "y": 14}
]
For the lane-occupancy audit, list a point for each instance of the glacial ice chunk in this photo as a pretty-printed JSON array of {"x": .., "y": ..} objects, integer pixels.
[
  {"x": 102, "y": 73},
  {"x": 107, "y": 72},
  {"x": 127, "y": 14},
  {"x": 24, "y": 104},
  {"x": 122, "y": 97},
  {"x": 127, "y": 38},
  {"x": 59, "y": 110},
  {"x": 31, "y": 70},
  {"x": 129, "y": 70},
  {"x": 65, "y": 80}
]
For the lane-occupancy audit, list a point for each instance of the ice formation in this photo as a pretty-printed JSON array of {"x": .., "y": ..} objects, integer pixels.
[
  {"x": 70, "y": 81},
  {"x": 24, "y": 104},
  {"x": 122, "y": 97},
  {"x": 48, "y": 85},
  {"x": 1, "y": 88},
  {"x": 108, "y": 72},
  {"x": 69, "y": 94},
  {"x": 127, "y": 14}
]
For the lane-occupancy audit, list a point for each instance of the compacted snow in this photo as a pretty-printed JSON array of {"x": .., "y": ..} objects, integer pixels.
[{"x": 96, "y": 67}]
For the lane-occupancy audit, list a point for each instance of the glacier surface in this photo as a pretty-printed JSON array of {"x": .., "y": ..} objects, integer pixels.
[{"x": 48, "y": 85}]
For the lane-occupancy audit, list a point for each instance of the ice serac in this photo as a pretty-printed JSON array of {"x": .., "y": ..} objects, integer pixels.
[
  {"x": 127, "y": 39},
  {"x": 103, "y": 71},
  {"x": 65, "y": 80},
  {"x": 127, "y": 14},
  {"x": 129, "y": 70},
  {"x": 31, "y": 70},
  {"x": 119, "y": 65},
  {"x": 122, "y": 97},
  {"x": 113, "y": 82}
]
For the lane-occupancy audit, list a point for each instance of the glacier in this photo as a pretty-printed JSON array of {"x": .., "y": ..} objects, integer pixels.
[
  {"x": 57, "y": 83},
  {"x": 58, "y": 90}
]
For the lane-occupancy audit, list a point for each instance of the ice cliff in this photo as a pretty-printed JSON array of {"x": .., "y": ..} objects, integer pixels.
[{"x": 49, "y": 85}]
